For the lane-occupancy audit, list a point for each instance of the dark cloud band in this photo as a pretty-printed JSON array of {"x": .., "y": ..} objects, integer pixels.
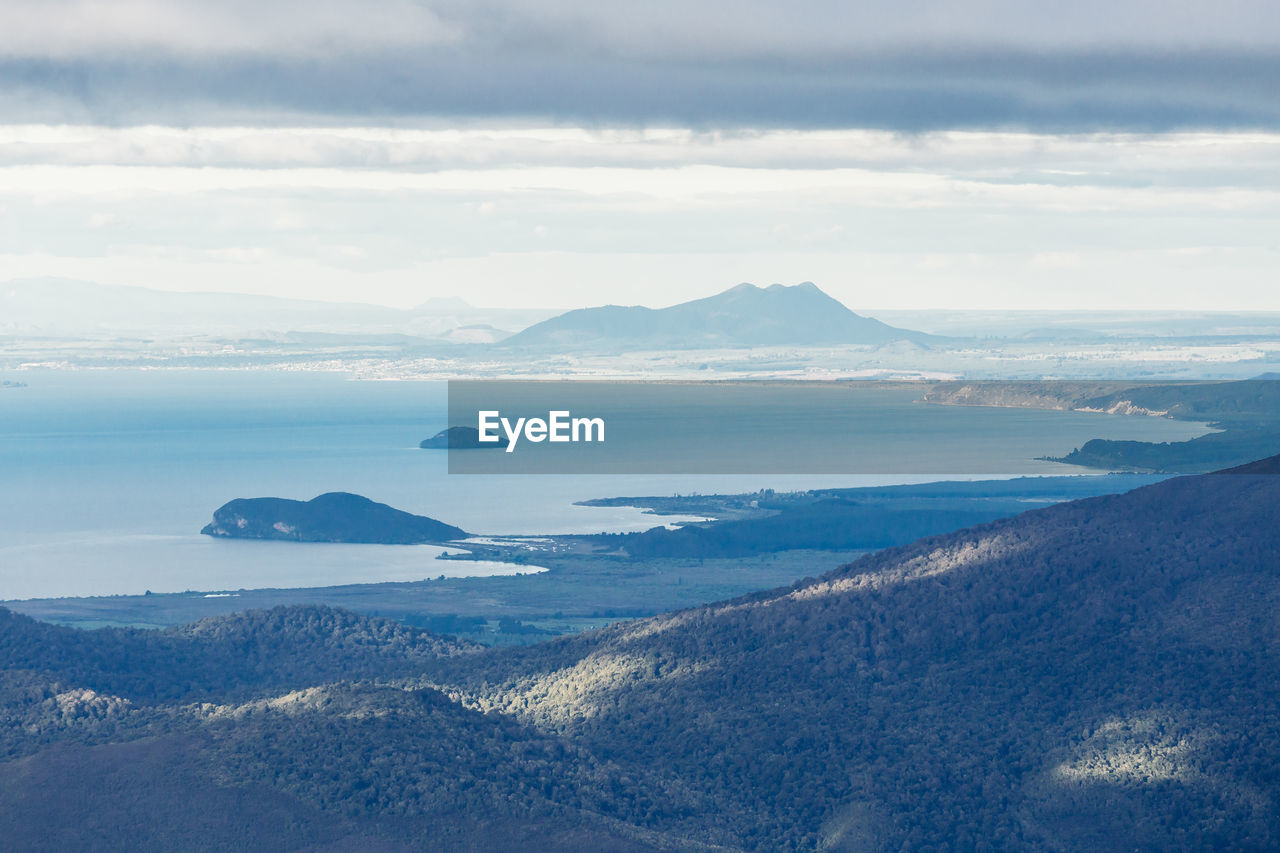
[{"x": 902, "y": 90}]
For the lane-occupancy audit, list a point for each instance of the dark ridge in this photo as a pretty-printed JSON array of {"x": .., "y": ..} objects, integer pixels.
[{"x": 223, "y": 656}]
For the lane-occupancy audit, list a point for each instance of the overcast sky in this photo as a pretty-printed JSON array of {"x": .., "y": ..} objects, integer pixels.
[{"x": 544, "y": 152}]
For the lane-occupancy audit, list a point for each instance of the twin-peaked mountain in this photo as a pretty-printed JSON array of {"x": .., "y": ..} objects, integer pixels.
[{"x": 743, "y": 316}]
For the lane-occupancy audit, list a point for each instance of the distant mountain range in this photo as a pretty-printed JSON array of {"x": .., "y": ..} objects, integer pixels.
[
  {"x": 743, "y": 316},
  {"x": 1099, "y": 675},
  {"x": 68, "y": 307}
]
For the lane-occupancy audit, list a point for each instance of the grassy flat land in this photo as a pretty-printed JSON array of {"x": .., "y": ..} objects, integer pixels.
[
  {"x": 577, "y": 592},
  {"x": 760, "y": 541}
]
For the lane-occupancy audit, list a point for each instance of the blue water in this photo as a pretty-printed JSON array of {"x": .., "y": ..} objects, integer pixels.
[{"x": 106, "y": 477}]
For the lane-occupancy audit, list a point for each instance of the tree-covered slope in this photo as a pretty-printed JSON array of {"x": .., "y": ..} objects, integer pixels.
[
  {"x": 223, "y": 657},
  {"x": 1095, "y": 675},
  {"x": 290, "y": 729}
]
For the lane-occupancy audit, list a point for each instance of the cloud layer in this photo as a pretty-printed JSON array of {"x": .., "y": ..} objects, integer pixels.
[
  {"x": 562, "y": 216},
  {"x": 1138, "y": 65},
  {"x": 917, "y": 152}
]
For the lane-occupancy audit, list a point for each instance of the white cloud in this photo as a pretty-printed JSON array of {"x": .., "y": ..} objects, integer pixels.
[
  {"x": 1211, "y": 159},
  {"x": 518, "y": 216}
]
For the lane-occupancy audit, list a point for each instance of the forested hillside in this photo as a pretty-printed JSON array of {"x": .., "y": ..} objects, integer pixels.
[{"x": 1096, "y": 675}]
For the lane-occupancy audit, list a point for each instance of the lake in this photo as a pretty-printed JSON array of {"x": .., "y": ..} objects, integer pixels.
[{"x": 107, "y": 476}]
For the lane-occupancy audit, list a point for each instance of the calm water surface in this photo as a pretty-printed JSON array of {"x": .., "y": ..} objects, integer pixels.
[{"x": 106, "y": 477}]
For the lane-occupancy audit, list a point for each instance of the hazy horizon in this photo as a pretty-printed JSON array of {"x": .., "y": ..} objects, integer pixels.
[
  {"x": 923, "y": 155},
  {"x": 446, "y": 300}
]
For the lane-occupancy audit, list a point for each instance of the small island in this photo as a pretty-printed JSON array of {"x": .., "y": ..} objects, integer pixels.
[
  {"x": 332, "y": 517},
  {"x": 460, "y": 438}
]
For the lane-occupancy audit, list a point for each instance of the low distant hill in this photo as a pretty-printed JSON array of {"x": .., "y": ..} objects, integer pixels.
[
  {"x": 67, "y": 307},
  {"x": 743, "y": 316},
  {"x": 1208, "y": 452},
  {"x": 1239, "y": 403},
  {"x": 1247, "y": 410},
  {"x": 332, "y": 517},
  {"x": 479, "y": 333}
]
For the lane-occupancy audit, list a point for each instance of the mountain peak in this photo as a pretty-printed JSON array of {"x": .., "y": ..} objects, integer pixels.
[
  {"x": 742, "y": 316},
  {"x": 802, "y": 287}
]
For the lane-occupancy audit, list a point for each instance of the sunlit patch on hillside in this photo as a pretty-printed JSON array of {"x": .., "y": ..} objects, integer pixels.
[
  {"x": 588, "y": 688},
  {"x": 654, "y": 626},
  {"x": 1131, "y": 782},
  {"x": 1140, "y": 749},
  {"x": 81, "y": 703},
  {"x": 938, "y": 561},
  {"x": 857, "y": 826},
  {"x": 348, "y": 702}
]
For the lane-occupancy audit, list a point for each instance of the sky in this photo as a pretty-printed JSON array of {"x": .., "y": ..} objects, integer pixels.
[{"x": 910, "y": 154}]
